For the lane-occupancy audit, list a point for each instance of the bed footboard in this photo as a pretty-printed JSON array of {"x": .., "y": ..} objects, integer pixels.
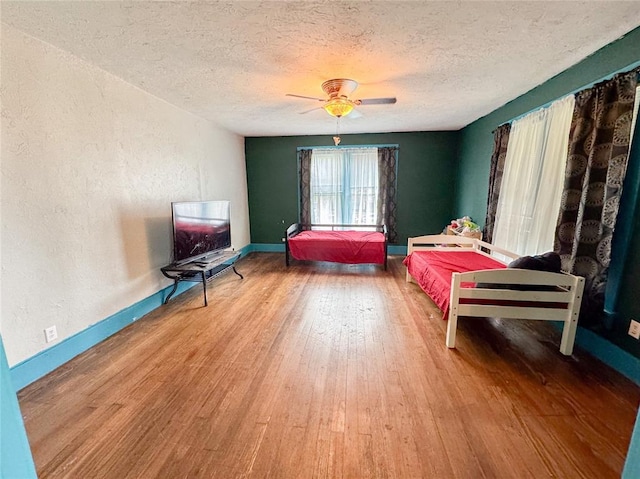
[
  {"x": 517, "y": 294},
  {"x": 505, "y": 292}
]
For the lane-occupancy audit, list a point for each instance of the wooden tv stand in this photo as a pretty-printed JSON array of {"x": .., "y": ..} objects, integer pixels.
[{"x": 201, "y": 271}]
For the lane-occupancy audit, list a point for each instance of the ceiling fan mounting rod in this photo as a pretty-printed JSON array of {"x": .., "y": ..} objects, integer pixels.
[{"x": 339, "y": 87}]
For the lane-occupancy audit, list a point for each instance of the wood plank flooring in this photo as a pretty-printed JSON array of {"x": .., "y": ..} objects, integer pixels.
[{"x": 333, "y": 371}]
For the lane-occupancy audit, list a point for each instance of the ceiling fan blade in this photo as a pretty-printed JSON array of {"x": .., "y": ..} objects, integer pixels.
[
  {"x": 377, "y": 101},
  {"x": 307, "y": 97},
  {"x": 355, "y": 114},
  {"x": 307, "y": 111}
]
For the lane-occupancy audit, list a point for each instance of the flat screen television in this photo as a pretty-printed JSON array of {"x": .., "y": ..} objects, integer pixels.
[{"x": 200, "y": 229}]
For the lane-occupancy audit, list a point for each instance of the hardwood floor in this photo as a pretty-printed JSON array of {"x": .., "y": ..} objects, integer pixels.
[{"x": 330, "y": 371}]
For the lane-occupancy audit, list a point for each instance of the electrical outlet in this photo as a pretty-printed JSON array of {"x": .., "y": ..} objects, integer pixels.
[
  {"x": 50, "y": 334},
  {"x": 634, "y": 329}
]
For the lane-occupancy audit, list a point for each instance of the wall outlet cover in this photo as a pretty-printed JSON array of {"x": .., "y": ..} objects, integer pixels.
[
  {"x": 50, "y": 334},
  {"x": 634, "y": 329}
]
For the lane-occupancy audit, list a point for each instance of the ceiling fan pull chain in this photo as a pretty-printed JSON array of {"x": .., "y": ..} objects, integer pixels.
[{"x": 336, "y": 139}]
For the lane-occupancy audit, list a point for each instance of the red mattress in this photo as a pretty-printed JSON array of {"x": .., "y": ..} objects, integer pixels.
[
  {"x": 433, "y": 269},
  {"x": 353, "y": 247}
]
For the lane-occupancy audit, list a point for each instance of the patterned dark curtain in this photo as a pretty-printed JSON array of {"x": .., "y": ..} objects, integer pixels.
[
  {"x": 596, "y": 167},
  {"x": 304, "y": 161},
  {"x": 387, "y": 206},
  {"x": 500, "y": 142}
]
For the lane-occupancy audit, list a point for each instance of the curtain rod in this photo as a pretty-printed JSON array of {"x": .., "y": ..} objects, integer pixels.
[
  {"x": 325, "y": 147},
  {"x": 628, "y": 69}
]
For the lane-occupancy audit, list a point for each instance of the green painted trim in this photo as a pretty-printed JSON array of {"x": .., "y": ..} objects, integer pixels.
[
  {"x": 610, "y": 354},
  {"x": 44, "y": 362},
  {"x": 607, "y": 352},
  {"x": 632, "y": 464},
  {"x": 396, "y": 250},
  {"x": 245, "y": 250},
  {"x": 16, "y": 460},
  {"x": 267, "y": 248}
]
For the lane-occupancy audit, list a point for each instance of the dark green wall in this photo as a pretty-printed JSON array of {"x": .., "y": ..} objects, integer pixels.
[
  {"x": 426, "y": 177},
  {"x": 475, "y": 156}
]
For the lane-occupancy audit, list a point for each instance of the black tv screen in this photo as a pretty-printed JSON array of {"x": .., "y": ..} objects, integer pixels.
[{"x": 200, "y": 228}]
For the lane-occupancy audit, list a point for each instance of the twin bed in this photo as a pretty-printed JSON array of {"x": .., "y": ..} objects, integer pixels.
[
  {"x": 463, "y": 276},
  {"x": 350, "y": 244},
  {"x": 468, "y": 277}
]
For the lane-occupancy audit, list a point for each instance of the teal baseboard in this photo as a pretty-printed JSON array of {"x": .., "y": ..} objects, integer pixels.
[
  {"x": 632, "y": 464},
  {"x": 267, "y": 248},
  {"x": 29, "y": 370},
  {"x": 41, "y": 364},
  {"x": 617, "y": 358},
  {"x": 15, "y": 455},
  {"x": 396, "y": 250},
  {"x": 613, "y": 356},
  {"x": 37, "y": 366}
]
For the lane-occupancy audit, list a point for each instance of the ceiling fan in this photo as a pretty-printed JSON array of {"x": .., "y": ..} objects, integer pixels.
[{"x": 338, "y": 103}]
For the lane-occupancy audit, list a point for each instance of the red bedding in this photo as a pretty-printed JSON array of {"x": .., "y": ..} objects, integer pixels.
[
  {"x": 352, "y": 247},
  {"x": 433, "y": 269}
]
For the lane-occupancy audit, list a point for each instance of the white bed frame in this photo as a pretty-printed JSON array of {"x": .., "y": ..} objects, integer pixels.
[{"x": 569, "y": 289}]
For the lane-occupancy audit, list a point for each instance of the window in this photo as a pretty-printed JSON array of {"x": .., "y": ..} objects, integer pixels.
[
  {"x": 344, "y": 186},
  {"x": 349, "y": 186},
  {"x": 533, "y": 179}
]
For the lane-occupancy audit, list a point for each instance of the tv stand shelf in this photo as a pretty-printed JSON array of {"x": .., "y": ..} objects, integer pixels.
[{"x": 200, "y": 271}]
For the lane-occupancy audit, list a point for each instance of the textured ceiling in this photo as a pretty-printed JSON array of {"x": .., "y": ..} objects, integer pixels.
[{"x": 448, "y": 63}]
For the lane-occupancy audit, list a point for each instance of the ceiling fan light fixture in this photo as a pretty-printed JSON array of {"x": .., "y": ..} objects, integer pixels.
[{"x": 338, "y": 107}]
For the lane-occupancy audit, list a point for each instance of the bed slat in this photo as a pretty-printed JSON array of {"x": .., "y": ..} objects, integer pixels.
[
  {"x": 511, "y": 312},
  {"x": 560, "y": 305},
  {"x": 511, "y": 295}
]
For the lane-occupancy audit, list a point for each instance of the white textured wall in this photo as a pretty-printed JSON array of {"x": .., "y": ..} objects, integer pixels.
[{"x": 90, "y": 165}]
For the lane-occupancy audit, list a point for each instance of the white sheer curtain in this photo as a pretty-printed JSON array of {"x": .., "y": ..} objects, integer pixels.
[
  {"x": 344, "y": 186},
  {"x": 533, "y": 179},
  {"x": 326, "y": 187},
  {"x": 363, "y": 186}
]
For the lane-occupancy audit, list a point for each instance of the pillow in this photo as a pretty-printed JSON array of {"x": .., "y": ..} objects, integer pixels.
[
  {"x": 544, "y": 262},
  {"x": 549, "y": 262}
]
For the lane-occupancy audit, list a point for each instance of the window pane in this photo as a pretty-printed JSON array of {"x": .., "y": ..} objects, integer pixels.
[
  {"x": 344, "y": 186},
  {"x": 533, "y": 179},
  {"x": 363, "y": 186},
  {"x": 326, "y": 187}
]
